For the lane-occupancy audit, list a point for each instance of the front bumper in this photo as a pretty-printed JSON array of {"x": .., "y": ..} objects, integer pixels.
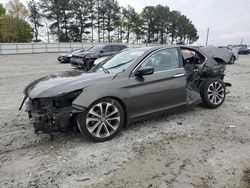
[
  {"x": 77, "y": 62},
  {"x": 51, "y": 120},
  {"x": 63, "y": 59}
]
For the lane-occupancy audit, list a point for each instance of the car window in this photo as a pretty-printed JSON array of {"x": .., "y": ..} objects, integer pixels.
[
  {"x": 166, "y": 59},
  {"x": 116, "y": 48},
  {"x": 95, "y": 49},
  {"x": 122, "y": 47},
  {"x": 191, "y": 56},
  {"x": 107, "y": 49}
]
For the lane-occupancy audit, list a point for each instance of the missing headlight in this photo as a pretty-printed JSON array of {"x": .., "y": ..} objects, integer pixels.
[
  {"x": 66, "y": 100},
  {"x": 43, "y": 103}
]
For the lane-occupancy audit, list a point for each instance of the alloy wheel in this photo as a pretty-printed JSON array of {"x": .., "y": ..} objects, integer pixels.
[
  {"x": 103, "y": 119},
  {"x": 216, "y": 93}
]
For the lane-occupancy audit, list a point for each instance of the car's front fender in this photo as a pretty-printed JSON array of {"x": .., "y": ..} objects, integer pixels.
[{"x": 93, "y": 93}]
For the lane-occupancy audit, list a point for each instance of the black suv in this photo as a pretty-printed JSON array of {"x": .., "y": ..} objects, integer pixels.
[{"x": 86, "y": 59}]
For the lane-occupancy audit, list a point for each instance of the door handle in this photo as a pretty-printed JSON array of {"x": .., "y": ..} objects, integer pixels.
[{"x": 179, "y": 75}]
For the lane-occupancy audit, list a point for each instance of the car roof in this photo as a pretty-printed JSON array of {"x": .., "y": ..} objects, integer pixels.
[
  {"x": 152, "y": 48},
  {"x": 111, "y": 44}
]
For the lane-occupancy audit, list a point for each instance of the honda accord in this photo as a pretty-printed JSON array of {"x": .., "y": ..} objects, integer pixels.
[{"x": 130, "y": 85}]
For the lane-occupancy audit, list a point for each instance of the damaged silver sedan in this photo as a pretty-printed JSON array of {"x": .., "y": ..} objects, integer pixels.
[{"x": 132, "y": 84}]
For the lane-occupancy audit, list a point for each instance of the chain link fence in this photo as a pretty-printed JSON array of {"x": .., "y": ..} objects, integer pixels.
[{"x": 29, "y": 48}]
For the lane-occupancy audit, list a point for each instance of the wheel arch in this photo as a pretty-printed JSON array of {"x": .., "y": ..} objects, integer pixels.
[{"x": 92, "y": 99}]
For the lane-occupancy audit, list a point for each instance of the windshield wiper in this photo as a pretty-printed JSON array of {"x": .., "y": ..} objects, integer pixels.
[
  {"x": 105, "y": 70},
  {"x": 120, "y": 64}
]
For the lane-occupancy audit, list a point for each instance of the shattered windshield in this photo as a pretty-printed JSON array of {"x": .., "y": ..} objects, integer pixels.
[{"x": 119, "y": 62}]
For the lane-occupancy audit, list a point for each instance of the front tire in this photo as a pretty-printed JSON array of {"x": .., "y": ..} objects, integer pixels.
[
  {"x": 102, "y": 121},
  {"x": 213, "y": 93}
]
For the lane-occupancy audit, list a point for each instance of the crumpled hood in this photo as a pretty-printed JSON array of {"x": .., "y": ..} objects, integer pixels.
[{"x": 62, "y": 83}]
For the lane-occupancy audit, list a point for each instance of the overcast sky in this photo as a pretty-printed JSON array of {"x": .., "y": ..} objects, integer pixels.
[{"x": 228, "y": 20}]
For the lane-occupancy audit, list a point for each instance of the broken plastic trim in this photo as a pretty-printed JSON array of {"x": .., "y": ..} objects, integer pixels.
[
  {"x": 24, "y": 99},
  {"x": 77, "y": 107}
]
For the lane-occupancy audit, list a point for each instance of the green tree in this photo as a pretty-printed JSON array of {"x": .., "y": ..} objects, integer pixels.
[
  {"x": 75, "y": 19},
  {"x": 149, "y": 23},
  {"x": 92, "y": 17},
  {"x": 181, "y": 29},
  {"x": 59, "y": 12},
  {"x": 192, "y": 34},
  {"x": 112, "y": 11},
  {"x": 35, "y": 17},
  {"x": 2, "y": 10},
  {"x": 137, "y": 27},
  {"x": 7, "y": 33},
  {"x": 162, "y": 22},
  {"x": 81, "y": 12},
  {"x": 129, "y": 18},
  {"x": 98, "y": 13},
  {"x": 120, "y": 30},
  {"x": 174, "y": 19},
  {"x": 14, "y": 30},
  {"x": 24, "y": 32},
  {"x": 2, "y": 13},
  {"x": 13, "y": 26}
]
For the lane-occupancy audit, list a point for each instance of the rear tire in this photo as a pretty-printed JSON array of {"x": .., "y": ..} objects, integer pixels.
[
  {"x": 213, "y": 93},
  {"x": 102, "y": 121}
]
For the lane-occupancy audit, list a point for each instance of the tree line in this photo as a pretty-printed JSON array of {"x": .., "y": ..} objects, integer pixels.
[
  {"x": 99, "y": 21},
  {"x": 13, "y": 27}
]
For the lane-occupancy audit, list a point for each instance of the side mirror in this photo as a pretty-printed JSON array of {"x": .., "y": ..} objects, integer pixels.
[
  {"x": 102, "y": 51},
  {"x": 147, "y": 70}
]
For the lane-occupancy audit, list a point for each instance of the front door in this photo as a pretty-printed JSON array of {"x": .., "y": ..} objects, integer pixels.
[{"x": 164, "y": 89}]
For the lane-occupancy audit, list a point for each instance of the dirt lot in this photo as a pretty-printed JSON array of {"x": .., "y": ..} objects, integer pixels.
[{"x": 194, "y": 148}]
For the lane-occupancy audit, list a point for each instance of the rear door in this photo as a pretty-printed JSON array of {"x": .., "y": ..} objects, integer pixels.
[{"x": 164, "y": 89}]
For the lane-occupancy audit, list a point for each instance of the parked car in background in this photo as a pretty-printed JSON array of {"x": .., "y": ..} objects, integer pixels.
[
  {"x": 86, "y": 59},
  {"x": 128, "y": 86},
  {"x": 221, "y": 54},
  {"x": 243, "y": 50},
  {"x": 65, "y": 58}
]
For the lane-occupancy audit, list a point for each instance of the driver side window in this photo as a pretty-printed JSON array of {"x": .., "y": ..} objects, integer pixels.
[
  {"x": 107, "y": 49},
  {"x": 162, "y": 60}
]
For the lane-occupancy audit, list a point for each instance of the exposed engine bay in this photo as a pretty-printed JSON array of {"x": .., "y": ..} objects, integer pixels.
[{"x": 52, "y": 114}]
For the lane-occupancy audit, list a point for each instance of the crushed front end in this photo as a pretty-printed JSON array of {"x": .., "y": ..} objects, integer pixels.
[{"x": 52, "y": 114}]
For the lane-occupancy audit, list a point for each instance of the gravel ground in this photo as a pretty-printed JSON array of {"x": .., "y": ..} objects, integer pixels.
[{"x": 194, "y": 148}]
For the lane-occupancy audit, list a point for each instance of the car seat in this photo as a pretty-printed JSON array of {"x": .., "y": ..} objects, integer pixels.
[{"x": 165, "y": 62}]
